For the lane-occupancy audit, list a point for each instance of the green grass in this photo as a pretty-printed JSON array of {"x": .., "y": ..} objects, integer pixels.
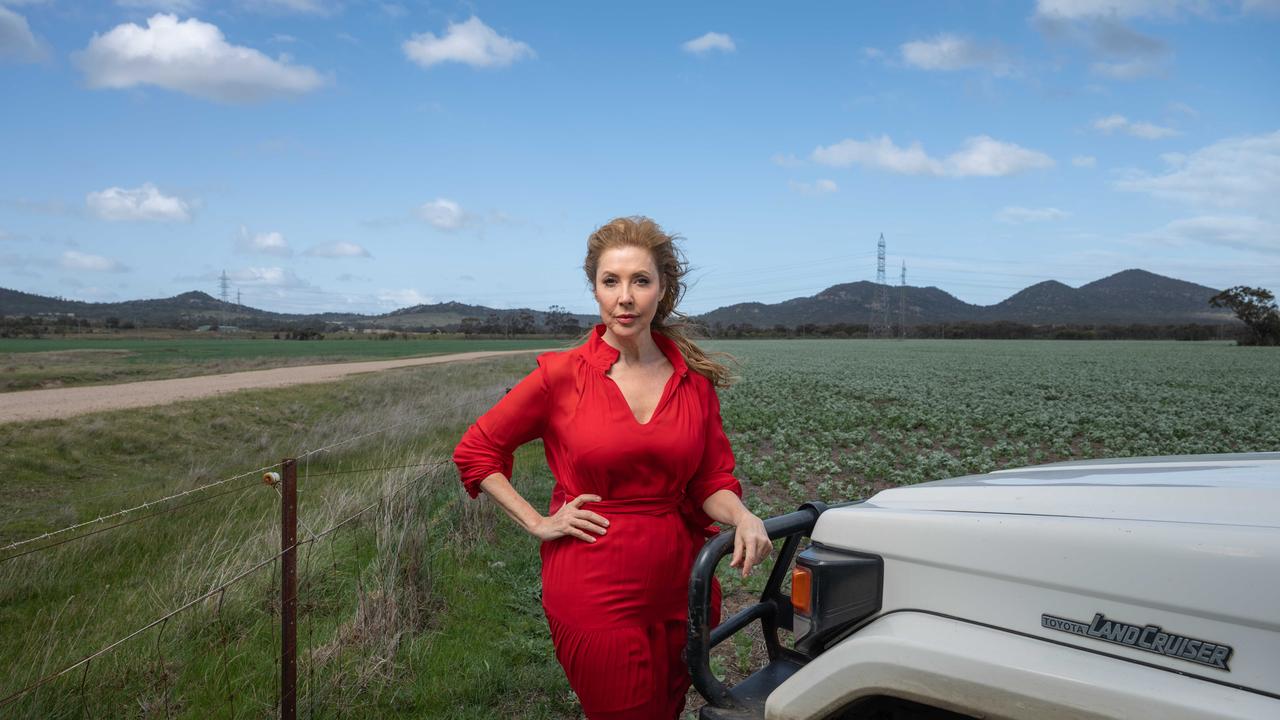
[
  {"x": 91, "y": 360},
  {"x": 427, "y": 607},
  {"x": 404, "y": 613}
]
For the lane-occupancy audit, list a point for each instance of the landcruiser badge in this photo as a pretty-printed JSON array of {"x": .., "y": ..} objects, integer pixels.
[{"x": 1150, "y": 638}]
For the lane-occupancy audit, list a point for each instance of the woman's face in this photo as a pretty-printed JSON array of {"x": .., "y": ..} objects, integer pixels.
[{"x": 628, "y": 289}]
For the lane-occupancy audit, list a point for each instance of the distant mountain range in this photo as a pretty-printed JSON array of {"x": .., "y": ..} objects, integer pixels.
[{"x": 1128, "y": 297}]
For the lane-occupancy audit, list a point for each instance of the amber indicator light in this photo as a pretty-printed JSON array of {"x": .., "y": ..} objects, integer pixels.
[{"x": 800, "y": 585}]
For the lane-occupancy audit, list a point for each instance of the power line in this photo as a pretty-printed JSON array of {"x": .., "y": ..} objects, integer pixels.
[{"x": 879, "y": 324}]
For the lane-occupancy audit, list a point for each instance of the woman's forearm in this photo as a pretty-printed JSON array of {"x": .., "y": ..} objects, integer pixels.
[
  {"x": 498, "y": 487},
  {"x": 725, "y": 506}
]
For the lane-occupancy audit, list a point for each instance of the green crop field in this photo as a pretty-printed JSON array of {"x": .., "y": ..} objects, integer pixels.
[
  {"x": 428, "y": 607},
  {"x": 841, "y": 419},
  {"x": 28, "y": 364}
]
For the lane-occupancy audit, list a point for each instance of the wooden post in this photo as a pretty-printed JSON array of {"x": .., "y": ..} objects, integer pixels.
[{"x": 289, "y": 590}]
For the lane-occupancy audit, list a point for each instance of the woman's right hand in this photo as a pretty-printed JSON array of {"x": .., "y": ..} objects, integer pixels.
[{"x": 571, "y": 519}]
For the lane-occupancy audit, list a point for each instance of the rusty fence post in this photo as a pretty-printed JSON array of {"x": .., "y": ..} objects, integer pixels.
[{"x": 289, "y": 589}]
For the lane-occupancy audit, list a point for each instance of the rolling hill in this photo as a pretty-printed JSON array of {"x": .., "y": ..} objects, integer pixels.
[{"x": 1128, "y": 297}]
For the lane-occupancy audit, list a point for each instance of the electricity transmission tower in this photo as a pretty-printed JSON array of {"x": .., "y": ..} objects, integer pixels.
[
  {"x": 880, "y": 311},
  {"x": 238, "y": 296},
  {"x": 902, "y": 303},
  {"x": 224, "y": 285}
]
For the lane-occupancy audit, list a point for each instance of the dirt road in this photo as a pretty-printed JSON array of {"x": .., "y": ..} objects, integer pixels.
[{"x": 66, "y": 402}]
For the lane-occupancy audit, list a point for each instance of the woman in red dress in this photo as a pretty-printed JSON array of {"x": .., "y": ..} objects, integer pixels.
[{"x": 630, "y": 423}]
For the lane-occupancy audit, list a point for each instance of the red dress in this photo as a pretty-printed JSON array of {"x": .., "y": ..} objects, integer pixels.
[{"x": 617, "y": 608}]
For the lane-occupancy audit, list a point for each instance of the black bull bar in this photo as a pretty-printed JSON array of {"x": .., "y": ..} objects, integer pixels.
[{"x": 773, "y": 611}]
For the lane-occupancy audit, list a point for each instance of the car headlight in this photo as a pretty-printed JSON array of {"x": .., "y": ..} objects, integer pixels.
[{"x": 831, "y": 590}]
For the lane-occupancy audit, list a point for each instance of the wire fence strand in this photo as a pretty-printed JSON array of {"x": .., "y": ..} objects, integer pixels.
[
  {"x": 130, "y": 521},
  {"x": 427, "y": 468},
  {"x": 220, "y": 589},
  {"x": 143, "y": 506},
  {"x": 99, "y": 653}
]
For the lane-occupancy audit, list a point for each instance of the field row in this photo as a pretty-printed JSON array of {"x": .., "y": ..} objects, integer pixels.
[{"x": 839, "y": 420}]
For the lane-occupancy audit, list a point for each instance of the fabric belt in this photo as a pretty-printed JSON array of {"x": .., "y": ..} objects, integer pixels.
[{"x": 637, "y": 506}]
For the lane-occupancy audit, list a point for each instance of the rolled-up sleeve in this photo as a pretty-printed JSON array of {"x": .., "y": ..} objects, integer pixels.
[
  {"x": 715, "y": 472},
  {"x": 489, "y": 445}
]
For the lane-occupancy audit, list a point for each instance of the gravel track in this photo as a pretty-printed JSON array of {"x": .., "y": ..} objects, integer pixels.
[{"x": 28, "y": 405}]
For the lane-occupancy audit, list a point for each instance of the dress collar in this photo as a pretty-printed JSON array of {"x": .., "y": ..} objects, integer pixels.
[{"x": 601, "y": 355}]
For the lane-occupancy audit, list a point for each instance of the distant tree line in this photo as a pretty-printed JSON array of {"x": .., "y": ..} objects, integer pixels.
[
  {"x": 35, "y": 327},
  {"x": 555, "y": 321},
  {"x": 1255, "y": 307}
]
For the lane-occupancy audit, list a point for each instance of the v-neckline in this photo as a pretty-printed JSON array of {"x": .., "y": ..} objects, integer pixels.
[{"x": 666, "y": 388}]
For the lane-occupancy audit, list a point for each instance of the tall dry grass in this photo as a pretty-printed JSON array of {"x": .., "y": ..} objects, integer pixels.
[{"x": 370, "y": 603}]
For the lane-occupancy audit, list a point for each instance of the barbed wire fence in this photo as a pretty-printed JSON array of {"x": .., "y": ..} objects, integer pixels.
[{"x": 269, "y": 581}]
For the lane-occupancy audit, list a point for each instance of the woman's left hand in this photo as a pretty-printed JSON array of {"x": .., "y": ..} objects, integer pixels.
[{"x": 751, "y": 544}]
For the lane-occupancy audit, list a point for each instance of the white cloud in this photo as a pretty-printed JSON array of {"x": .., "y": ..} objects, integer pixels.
[
  {"x": 952, "y": 52},
  {"x": 980, "y": 156},
  {"x": 267, "y": 277},
  {"x": 1086, "y": 161},
  {"x": 72, "y": 260},
  {"x": 472, "y": 43},
  {"x": 189, "y": 56},
  {"x": 1014, "y": 214},
  {"x": 1118, "y": 51},
  {"x": 267, "y": 243},
  {"x": 987, "y": 157},
  {"x": 1144, "y": 130},
  {"x": 403, "y": 298},
  {"x": 339, "y": 250},
  {"x": 1236, "y": 172},
  {"x": 1239, "y": 232},
  {"x": 443, "y": 213},
  {"x": 881, "y": 154},
  {"x": 710, "y": 41},
  {"x": 17, "y": 42},
  {"x": 141, "y": 203},
  {"x": 817, "y": 187},
  {"x": 872, "y": 53}
]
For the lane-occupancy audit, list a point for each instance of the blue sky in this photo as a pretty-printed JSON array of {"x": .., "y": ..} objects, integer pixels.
[{"x": 363, "y": 156}]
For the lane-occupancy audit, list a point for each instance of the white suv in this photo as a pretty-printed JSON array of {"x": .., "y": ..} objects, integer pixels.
[{"x": 1134, "y": 588}]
